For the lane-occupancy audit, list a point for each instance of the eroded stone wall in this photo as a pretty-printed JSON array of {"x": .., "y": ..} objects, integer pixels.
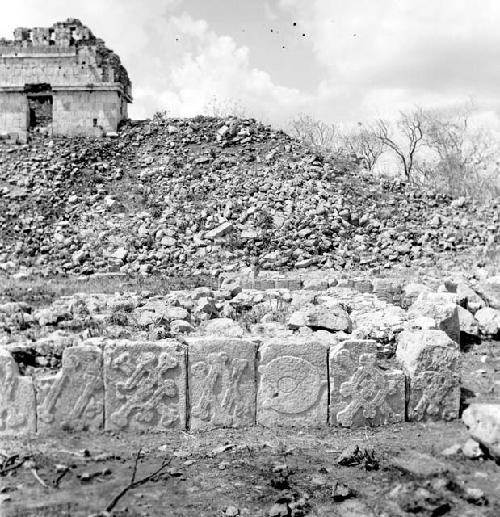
[
  {"x": 13, "y": 113},
  {"x": 90, "y": 86},
  {"x": 215, "y": 381},
  {"x": 86, "y": 112}
]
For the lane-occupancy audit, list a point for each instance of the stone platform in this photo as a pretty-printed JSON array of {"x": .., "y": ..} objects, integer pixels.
[{"x": 214, "y": 381}]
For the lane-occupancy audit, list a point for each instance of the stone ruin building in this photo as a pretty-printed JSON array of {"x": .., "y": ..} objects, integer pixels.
[{"x": 63, "y": 79}]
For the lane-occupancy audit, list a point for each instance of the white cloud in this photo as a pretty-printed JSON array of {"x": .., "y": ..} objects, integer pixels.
[
  {"x": 214, "y": 66},
  {"x": 396, "y": 53}
]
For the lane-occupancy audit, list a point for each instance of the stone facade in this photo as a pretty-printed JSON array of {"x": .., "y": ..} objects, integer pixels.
[
  {"x": 62, "y": 78},
  {"x": 212, "y": 381}
]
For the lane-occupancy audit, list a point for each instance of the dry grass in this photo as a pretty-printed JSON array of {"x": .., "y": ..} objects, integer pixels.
[{"x": 44, "y": 290}]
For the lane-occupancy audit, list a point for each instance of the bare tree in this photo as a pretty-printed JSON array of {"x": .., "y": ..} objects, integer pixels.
[
  {"x": 365, "y": 144},
  {"x": 314, "y": 133},
  {"x": 463, "y": 155},
  {"x": 410, "y": 126}
]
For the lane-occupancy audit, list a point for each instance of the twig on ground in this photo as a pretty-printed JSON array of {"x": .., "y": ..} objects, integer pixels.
[
  {"x": 38, "y": 478},
  {"x": 9, "y": 464},
  {"x": 59, "y": 478},
  {"x": 135, "y": 483},
  {"x": 134, "y": 470}
]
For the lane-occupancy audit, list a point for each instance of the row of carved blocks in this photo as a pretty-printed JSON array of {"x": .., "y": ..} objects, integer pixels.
[{"x": 226, "y": 382}]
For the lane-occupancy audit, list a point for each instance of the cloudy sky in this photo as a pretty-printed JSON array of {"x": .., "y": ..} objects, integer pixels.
[{"x": 338, "y": 60}]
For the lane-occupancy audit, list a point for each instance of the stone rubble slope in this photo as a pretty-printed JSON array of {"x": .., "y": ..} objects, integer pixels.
[{"x": 192, "y": 196}]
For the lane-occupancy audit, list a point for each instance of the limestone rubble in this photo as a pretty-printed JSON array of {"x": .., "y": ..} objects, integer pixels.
[{"x": 197, "y": 196}]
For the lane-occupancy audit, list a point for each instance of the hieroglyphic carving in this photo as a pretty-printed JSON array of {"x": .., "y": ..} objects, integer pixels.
[
  {"x": 145, "y": 385},
  {"x": 292, "y": 384},
  {"x": 361, "y": 393},
  {"x": 72, "y": 399},
  {"x": 221, "y": 382},
  {"x": 17, "y": 399}
]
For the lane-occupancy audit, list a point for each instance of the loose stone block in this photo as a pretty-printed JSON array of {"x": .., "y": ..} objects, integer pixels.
[
  {"x": 73, "y": 398},
  {"x": 331, "y": 318},
  {"x": 362, "y": 393},
  {"x": 221, "y": 382},
  {"x": 145, "y": 385},
  {"x": 483, "y": 422},
  {"x": 443, "y": 308},
  {"x": 292, "y": 382},
  {"x": 17, "y": 399},
  {"x": 431, "y": 362}
]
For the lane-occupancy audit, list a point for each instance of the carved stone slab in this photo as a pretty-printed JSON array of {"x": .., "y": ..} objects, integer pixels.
[
  {"x": 72, "y": 399},
  {"x": 17, "y": 399},
  {"x": 221, "y": 382},
  {"x": 145, "y": 385},
  {"x": 361, "y": 393},
  {"x": 431, "y": 362},
  {"x": 292, "y": 382}
]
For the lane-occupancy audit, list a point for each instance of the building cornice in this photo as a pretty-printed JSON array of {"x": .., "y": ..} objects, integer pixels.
[{"x": 102, "y": 87}]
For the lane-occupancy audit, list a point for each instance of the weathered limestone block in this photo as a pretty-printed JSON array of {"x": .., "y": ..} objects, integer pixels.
[
  {"x": 17, "y": 399},
  {"x": 443, "y": 308},
  {"x": 145, "y": 385},
  {"x": 388, "y": 290},
  {"x": 221, "y": 382},
  {"x": 333, "y": 319},
  {"x": 483, "y": 422},
  {"x": 73, "y": 398},
  {"x": 361, "y": 393},
  {"x": 489, "y": 289},
  {"x": 223, "y": 327},
  {"x": 468, "y": 324},
  {"x": 292, "y": 382},
  {"x": 489, "y": 321},
  {"x": 412, "y": 291},
  {"x": 431, "y": 362}
]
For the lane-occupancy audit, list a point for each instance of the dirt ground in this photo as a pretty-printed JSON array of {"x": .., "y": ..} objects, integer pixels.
[
  {"x": 255, "y": 472},
  {"x": 397, "y": 471}
]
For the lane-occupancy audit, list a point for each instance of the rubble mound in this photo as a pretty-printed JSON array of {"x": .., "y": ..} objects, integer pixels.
[{"x": 193, "y": 196}]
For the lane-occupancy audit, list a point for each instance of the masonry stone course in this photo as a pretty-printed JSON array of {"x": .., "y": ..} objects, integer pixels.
[{"x": 225, "y": 374}]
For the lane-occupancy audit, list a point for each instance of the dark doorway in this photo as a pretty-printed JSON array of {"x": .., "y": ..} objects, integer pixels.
[
  {"x": 40, "y": 104},
  {"x": 40, "y": 107}
]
